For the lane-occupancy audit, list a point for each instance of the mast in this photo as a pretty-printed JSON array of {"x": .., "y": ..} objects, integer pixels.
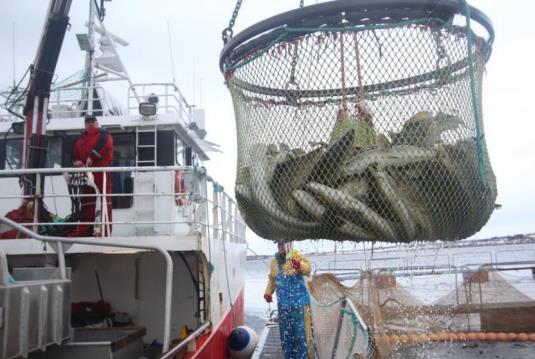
[{"x": 90, "y": 58}]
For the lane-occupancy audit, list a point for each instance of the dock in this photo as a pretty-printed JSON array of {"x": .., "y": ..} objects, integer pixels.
[{"x": 269, "y": 344}]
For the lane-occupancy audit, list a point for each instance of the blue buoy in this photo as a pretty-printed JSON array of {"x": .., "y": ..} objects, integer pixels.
[{"x": 241, "y": 342}]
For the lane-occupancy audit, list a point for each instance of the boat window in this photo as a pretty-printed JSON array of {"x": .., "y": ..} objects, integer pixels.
[
  {"x": 123, "y": 156},
  {"x": 12, "y": 153},
  {"x": 180, "y": 149},
  {"x": 55, "y": 148},
  {"x": 166, "y": 148},
  {"x": 67, "y": 149}
]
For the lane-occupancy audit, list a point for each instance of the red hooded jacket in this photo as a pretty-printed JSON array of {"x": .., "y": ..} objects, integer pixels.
[{"x": 90, "y": 144}]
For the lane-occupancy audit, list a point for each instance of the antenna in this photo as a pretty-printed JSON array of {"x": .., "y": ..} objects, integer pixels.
[
  {"x": 171, "y": 51},
  {"x": 200, "y": 92},
  {"x": 13, "y": 50},
  {"x": 193, "y": 81}
]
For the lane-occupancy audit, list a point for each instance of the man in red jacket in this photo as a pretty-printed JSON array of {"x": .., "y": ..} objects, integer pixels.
[{"x": 94, "y": 148}]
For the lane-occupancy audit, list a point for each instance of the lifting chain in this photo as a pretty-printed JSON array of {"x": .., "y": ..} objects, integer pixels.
[
  {"x": 295, "y": 54},
  {"x": 228, "y": 32}
]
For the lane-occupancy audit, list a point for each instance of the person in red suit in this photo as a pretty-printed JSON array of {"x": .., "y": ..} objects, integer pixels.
[{"x": 94, "y": 148}]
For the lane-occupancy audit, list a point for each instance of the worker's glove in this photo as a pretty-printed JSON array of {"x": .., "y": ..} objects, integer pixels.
[
  {"x": 295, "y": 263},
  {"x": 268, "y": 298}
]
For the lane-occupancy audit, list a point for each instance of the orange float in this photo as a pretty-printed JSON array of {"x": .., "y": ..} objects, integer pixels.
[
  {"x": 413, "y": 338},
  {"x": 481, "y": 336},
  {"x": 443, "y": 337},
  {"x": 394, "y": 339},
  {"x": 501, "y": 337},
  {"x": 423, "y": 338},
  {"x": 433, "y": 336},
  {"x": 532, "y": 337},
  {"x": 492, "y": 337},
  {"x": 472, "y": 336},
  {"x": 522, "y": 337},
  {"x": 511, "y": 336},
  {"x": 462, "y": 336},
  {"x": 452, "y": 336},
  {"x": 404, "y": 338}
]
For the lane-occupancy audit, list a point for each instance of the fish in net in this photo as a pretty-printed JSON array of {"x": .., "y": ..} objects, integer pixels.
[{"x": 362, "y": 125}]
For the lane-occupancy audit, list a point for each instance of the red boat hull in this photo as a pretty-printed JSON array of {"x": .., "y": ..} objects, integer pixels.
[{"x": 214, "y": 344}]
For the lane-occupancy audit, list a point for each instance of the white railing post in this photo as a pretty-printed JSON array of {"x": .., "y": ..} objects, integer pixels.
[
  {"x": 35, "y": 227},
  {"x": 223, "y": 211},
  {"x": 215, "y": 219}
]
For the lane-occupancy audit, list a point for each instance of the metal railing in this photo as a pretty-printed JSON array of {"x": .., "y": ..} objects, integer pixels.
[
  {"x": 216, "y": 215},
  {"x": 61, "y": 262},
  {"x": 169, "y": 96},
  {"x": 186, "y": 341},
  {"x": 72, "y": 102}
]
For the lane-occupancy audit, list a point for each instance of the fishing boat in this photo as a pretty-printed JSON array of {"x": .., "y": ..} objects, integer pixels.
[{"x": 168, "y": 280}]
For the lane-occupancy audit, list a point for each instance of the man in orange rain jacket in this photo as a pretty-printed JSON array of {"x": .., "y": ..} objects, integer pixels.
[
  {"x": 94, "y": 148},
  {"x": 293, "y": 302}
]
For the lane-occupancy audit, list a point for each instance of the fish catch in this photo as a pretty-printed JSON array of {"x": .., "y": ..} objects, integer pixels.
[{"x": 367, "y": 186}]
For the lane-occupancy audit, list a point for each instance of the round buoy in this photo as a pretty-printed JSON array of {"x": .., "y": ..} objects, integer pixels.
[
  {"x": 241, "y": 342},
  {"x": 511, "y": 337}
]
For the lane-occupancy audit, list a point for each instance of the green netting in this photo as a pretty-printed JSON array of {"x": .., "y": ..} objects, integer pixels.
[
  {"x": 338, "y": 329},
  {"x": 355, "y": 132}
]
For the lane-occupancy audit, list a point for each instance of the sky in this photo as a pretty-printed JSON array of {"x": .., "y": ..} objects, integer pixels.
[{"x": 195, "y": 28}]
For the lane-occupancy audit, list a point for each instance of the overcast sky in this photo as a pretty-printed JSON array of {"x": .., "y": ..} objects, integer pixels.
[{"x": 195, "y": 31}]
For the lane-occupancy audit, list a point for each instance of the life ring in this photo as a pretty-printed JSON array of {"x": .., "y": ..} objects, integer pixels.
[{"x": 180, "y": 189}]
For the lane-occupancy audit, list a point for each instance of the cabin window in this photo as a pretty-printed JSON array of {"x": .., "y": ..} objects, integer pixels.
[
  {"x": 180, "y": 152},
  {"x": 11, "y": 153},
  {"x": 55, "y": 148},
  {"x": 12, "y": 158},
  {"x": 124, "y": 155},
  {"x": 67, "y": 149},
  {"x": 166, "y": 148}
]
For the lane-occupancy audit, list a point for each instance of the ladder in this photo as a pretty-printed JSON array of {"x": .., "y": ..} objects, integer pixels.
[
  {"x": 146, "y": 156},
  {"x": 146, "y": 146},
  {"x": 202, "y": 295}
]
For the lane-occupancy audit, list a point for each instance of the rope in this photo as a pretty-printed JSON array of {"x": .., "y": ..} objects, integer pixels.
[
  {"x": 343, "y": 72},
  {"x": 290, "y": 30},
  {"x": 363, "y": 114}
]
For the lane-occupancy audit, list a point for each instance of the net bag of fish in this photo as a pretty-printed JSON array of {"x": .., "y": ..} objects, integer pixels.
[{"x": 362, "y": 121}]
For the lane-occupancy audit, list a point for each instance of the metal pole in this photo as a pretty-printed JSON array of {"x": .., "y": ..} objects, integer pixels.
[
  {"x": 36, "y": 202},
  {"x": 61, "y": 261},
  {"x": 90, "y": 57},
  {"x": 339, "y": 327},
  {"x": 183, "y": 343}
]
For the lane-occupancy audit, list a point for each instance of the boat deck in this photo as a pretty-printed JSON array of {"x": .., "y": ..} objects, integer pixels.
[{"x": 269, "y": 345}]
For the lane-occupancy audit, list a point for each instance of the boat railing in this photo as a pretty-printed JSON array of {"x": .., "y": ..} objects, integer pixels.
[
  {"x": 73, "y": 102},
  {"x": 60, "y": 241},
  {"x": 211, "y": 212},
  {"x": 170, "y": 99},
  {"x": 186, "y": 341}
]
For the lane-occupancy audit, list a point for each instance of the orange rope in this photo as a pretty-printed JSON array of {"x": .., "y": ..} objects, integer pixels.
[
  {"x": 342, "y": 64},
  {"x": 361, "y": 111}
]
